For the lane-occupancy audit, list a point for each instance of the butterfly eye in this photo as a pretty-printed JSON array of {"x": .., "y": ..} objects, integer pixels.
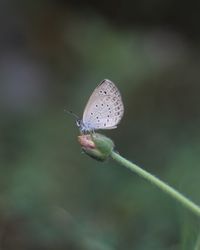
[{"x": 78, "y": 122}]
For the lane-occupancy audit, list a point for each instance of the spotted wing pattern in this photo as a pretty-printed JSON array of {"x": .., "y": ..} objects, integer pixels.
[{"x": 104, "y": 109}]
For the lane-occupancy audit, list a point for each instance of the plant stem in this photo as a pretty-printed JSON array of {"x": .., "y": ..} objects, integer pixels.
[
  {"x": 160, "y": 184},
  {"x": 197, "y": 245}
]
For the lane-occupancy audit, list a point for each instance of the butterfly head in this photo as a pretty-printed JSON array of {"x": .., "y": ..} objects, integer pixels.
[{"x": 79, "y": 123}]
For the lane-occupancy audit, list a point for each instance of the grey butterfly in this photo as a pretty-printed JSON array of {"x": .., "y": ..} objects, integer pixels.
[{"x": 104, "y": 109}]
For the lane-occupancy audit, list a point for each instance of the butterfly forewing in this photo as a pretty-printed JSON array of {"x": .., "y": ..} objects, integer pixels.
[{"x": 104, "y": 109}]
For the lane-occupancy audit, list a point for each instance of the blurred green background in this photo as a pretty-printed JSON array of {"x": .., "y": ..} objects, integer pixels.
[{"x": 52, "y": 56}]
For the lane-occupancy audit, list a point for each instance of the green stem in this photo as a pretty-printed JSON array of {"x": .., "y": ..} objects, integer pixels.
[
  {"x": 197, "y": 245},
  {"x": 160, "y": 184}
]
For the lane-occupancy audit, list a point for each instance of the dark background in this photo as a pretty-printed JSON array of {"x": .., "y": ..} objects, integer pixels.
[{"x": 52, "y": 56}]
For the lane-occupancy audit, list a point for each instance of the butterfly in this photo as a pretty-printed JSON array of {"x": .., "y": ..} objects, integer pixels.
[{"x": 104, "y": 109}]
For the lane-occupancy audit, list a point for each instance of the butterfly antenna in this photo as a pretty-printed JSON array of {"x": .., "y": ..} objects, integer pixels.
[{"x": 71, "y": 113}]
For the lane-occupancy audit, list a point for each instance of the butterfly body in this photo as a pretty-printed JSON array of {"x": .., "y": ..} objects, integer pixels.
[
  {"x": 103, "y": 110},
  {"x": 84, "y": 127}
]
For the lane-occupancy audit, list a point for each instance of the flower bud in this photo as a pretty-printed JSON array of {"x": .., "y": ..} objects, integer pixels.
[{"x": 96, "y": 145}]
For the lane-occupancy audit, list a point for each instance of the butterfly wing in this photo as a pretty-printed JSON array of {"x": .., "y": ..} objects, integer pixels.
[{"x": 104, "y": 108}]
